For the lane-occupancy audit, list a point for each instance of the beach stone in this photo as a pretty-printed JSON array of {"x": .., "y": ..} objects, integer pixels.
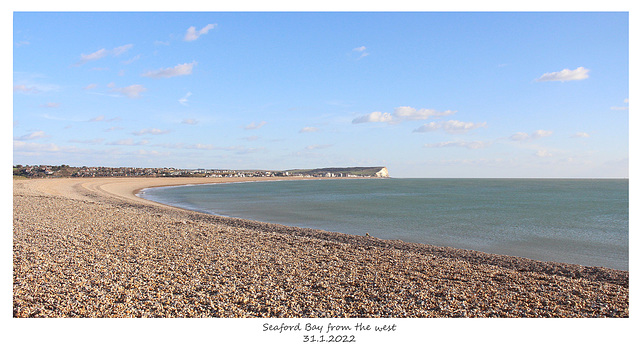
[{"x": 89, "y": 248}]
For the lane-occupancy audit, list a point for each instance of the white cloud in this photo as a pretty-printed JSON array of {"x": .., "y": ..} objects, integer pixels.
[
  {"x": 97, "y": 119},
  {"x": 581, "y": 135},
  {"x": 179, "y": 70},
  {"x": 95, "y": 141},
  {"x": 543, "y": 153},
  {"x": 521, "y": 136},
  {"x": 93, "y": 56},
  {"x": 566, "y": 74},
  {"x": 374, "y": 117},
  {"x": 190, "y": 121},
  {"x": 84, "y": 58},
  {"x": 129, "y": 142},
  {"x": 34, "y": 135},
  {"x": 254, "y": 125},
  {"x": 452, "y": 127},
  {"x": 308, "y": 130},
  {"x": 316, "y": 147},
  {"x": 132, "y": 91},
  {"x": 197, "y": 146},
  {"x": 51, "y": 105},
  {"x": 541, "y": 133},
  {"x": 132, "y": 60},
  {"x": 410, "y": 113},
  {"x": 193, "y": 34},
  {"x": 466, "y": 144},
  {"x": 362, "y": 50},
  {"x": 34, "y": 147},
  {"x": 402, "y": 113},
  {"x": 91, "y": 86},
  {"x": 184, "y": 100},
  {"x": 121, "y": 49},
  {"x": 621, "y": 108},
  {"x": 153, "y": 131},
  {"x": 26, "y": 89}
]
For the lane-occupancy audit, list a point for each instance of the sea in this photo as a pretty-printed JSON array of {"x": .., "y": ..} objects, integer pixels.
[{"x": 581, "y": 221}]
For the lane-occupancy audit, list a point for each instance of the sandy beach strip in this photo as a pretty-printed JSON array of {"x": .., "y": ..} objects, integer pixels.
[{"x": 91, "y": 248}]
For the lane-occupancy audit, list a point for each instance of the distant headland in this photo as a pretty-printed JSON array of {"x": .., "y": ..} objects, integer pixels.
[{"x": 48, "y": 171}]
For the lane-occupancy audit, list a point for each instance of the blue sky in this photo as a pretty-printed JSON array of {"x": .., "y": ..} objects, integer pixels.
[{"x": 425, "y": 94}]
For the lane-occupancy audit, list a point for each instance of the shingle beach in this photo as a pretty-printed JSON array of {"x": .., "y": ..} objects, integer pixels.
[{"x": 91, "y": 248}]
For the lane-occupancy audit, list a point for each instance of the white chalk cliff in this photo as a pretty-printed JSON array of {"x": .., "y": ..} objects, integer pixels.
[{"x": 383, "y": 173}]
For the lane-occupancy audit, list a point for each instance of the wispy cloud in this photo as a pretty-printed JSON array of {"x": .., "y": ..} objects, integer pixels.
[
  {"x": 33, "y": 135},
  {"x": 35, "y": 88},
  {"x": 521, "y": 136},
  {"x": 128, "y": 142},
  {"x": 190, "y": 121},
  {"x": 362, "y": 50},
  {"x": 22, "y": 146},
  {"x": 152, "y": 131},
  {"x": 84, "y": 58},
  {"x": 132, "y": 91},
  {"x": 95, "y": 141},
  {"x": 50, "y": 105},
  {"x": 102, "y": 118},
  {"x": 452, "y": 127},
  {"x": 25, "y": 89},
  {"x": 121, "y": 49},
  {"x": 308, "y": 130},
  {"x": 193, "y": 33},
  {"x": 316, "y": 147},
  {"x": 581, "y": 135},
  {"x": 197, "y": 146},
  {"x": 184, "y": 100},
  {"x": 240, "y": 150},
  {"x": 132, "y": 60},
  {"x": 566, "y": 74},
  {"x": 543, "y": 153},
  {"x": 403, "y": 113},
  {"x": 465, "y": 144},
  {"x": 179, "y": 70},
  {"x": 254, "y": 125},
  {"x": 621, "y": 108},
  {"x": 91, "y": 86}
]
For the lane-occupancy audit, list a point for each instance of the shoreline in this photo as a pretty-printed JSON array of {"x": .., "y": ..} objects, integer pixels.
[
  {"x": 560, "y": 258},
  {"x": 416, "y": 275}
]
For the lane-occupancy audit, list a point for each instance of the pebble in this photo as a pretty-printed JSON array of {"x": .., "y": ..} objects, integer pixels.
[{"x": 93, "y": 255}]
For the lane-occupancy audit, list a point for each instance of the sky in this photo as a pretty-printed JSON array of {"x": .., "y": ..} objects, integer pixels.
[{"x": 426, "y": 94}]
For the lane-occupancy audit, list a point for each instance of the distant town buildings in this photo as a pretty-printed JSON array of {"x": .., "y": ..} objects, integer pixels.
[{"x": 45, "y": 171}]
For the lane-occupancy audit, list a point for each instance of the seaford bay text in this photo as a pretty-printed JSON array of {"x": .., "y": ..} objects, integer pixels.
[{"x": 328, "y": 328}]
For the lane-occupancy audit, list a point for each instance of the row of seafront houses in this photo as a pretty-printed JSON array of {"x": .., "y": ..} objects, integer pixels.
[
  {"x": 168, "y": 172},
  {"x": 68, "y": 171}
]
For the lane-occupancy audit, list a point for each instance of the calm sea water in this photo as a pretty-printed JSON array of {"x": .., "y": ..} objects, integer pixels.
[{"x": 575, "y": 221}]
